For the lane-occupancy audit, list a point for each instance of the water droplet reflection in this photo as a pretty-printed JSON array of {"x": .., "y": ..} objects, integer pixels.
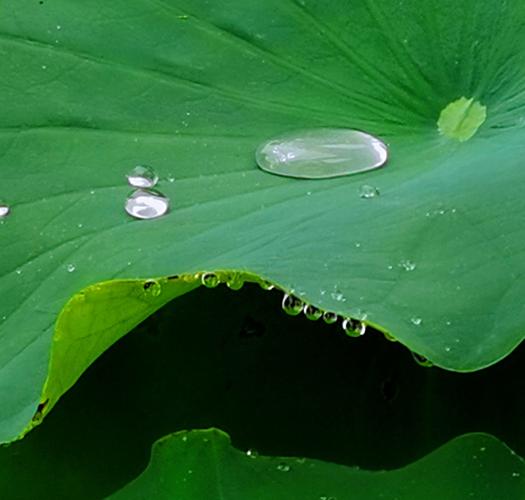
[
  {"x": 4, "y": 210},
  {"x": 330, "y": 318},
  {"x": 144, "y": 204},
  {"x": 210, "y": 280},
  {"x": 142, "y": 176},
  {"x": 354, "y": 328},
  {"x": 366, "y": 191},
  {"x": 292, "y": 305},
  {"x": 312, "y": 313}
]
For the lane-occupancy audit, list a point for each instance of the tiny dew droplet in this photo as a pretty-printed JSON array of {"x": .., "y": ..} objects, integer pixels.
[
  {"x": 146, "y": 204},
  {"x": 330, "y": 318},
  {"x": 266, "y": 285},
  {"x": 354, "y": 328},
  {"x": 421, "y": 360},
  {"x": 252, "y": 453},
  {"x": 152, "y": 288},
  {"x": 416, "y": 321},
  {"x": 283, "y": 467},
  {"x": 321, "y": 153},
  {"x": 4, "y": 210},
  {"x": 142, "y": 176},
  {"x": 389, "y": 337},
  {"x": 235, "y": 281},
  {"x": 407, "y": 265},
  {"x": 292, "y": 305},
  {"x": 210, "y": 280},
  {"x": 71, "y": 268},
  {"x": 312, "y": 312},
  {"x": 366, "y": 191}
]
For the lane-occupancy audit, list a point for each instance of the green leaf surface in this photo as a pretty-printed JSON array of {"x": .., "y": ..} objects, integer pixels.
[
  {"x": 202, "y": 465},
  {"x": 192, "y": 87}
]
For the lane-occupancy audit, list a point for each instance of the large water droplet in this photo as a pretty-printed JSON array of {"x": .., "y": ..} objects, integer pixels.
[
  {"x": 354, "y": 328},
  {"x": 142, "y": 176},
  {"x": 312, "y": 313},
  {"x": 292, "y": 305},
  {"x": 144, "y": 204},
  {"x": 321, "y": 153},
  {"x": 366, "y": 191},
  {"x": 4, "y": 210},
  {"x": 330, "y": 318},
  {"x": 210, "y": 280}
]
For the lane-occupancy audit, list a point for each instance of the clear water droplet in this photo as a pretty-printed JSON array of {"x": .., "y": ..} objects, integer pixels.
[
  {"x": 312, "y": 312},
  {"x": 5, "y": 210},
  {"x": 152, "y": 288},
  {"x": 210, "y": 280},
  {"x": 283, "y": 467},
  {"x": 354, "y": 328},
  {"x": 235, "y": 281},
  {"x": 321, "y": 153},
  {"x": 330, "y": 318},
  {"x": 366, "y": 191},
  {"x": 416, "y": 321},
  {"x": 292, "y": 305},
  {"x": 71, "y": 268},
  {"x": 142, "y": 176},
  {"x": 146, "y": 204},
  {"x": 266, "y": 285},
  {"x": 252, "y": 453},
  {"x": 18, "y": 271},
  {"x": 421, "y": 360},
  {"x": 407, "y": 265},
  {"x": 515, "y": 474}
]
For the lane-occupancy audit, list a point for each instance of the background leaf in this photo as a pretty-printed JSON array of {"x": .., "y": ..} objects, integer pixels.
[
  {"x": 192, "y": 87},
  {"x": 472, "y": 466}
]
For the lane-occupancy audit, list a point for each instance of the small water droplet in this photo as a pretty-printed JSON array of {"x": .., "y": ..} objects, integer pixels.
[
  {"x": 71, "y": 268},
  {"x": 312, "y": 312},
  {"x": 515, "y": 474},
  {"x": 389, "y": 337},
  {"x": 338, "y": 296},
  {"x": 292, "y": 305},
  {"x": 266, "y": 285},
  {"x": 321, "y": 153},
  {"x": 447, "y": 349},
  {"x": 5, "y": 210},
  {"x": 210, "y": 280},
  {"x": 235, "y": 281},
  {"x": 142, "y": 176},
  {"x": 421, "y": 360},
  {"x": 366, "y": 191},
  {"x": 171, "y": 179},
  {"x": 353, "y": 328},
  {"x": 144, "y": 204},
  {"x": 252, "y": 453},
  {"x": 80, "y": 225},
  {"x": 330, "y": 318},
  {"x": 18, "y": 271},
  {"x": 152, "y": 288},
  {"x": 283, "y": 467},
  {"x": 407, "y": 265},
  {"x": 44, "y": 66},
  {"x": 416, "y": 321},
  {"x": 184, "y": 438}
]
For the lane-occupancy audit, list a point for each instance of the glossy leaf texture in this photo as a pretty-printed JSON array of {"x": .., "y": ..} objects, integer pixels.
[
  {"x": 202, "y": 464},
  {"x": 192, "y": 88}
]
